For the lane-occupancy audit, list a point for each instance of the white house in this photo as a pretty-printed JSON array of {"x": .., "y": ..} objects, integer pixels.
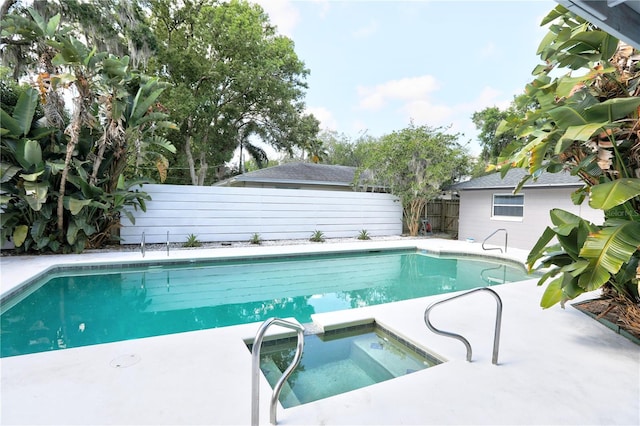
[{"x": 488, "y": 203}]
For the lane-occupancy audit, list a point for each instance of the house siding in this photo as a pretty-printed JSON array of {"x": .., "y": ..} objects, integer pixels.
[
  {"x": 235, "y": 214},
  {"x": 476, "y": 221}
]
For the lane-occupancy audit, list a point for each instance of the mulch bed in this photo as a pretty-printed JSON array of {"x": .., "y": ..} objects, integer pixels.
[{"x": 622, "y": 317}]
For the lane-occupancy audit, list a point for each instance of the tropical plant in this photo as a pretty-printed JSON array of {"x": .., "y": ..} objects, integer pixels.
[
  {"x": 586, "y": 124},
  {"x": 63, "y": 186},
  {"x": 317, "y": 237},
  {"x": 255, "y": 239},
  {"x": 414, "y": 164},
  {"x": 192, "y": 241},
  {"x": 364, "y": 235}
]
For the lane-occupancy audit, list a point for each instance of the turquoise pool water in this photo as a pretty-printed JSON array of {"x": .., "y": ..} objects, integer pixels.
[
  {"x": 340, "y": 362},
  {"x": 85, "y": 307}
]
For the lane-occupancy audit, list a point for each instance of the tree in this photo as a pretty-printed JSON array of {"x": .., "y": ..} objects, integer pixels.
[
  {"x": 493, "y": 141},
  {"x": 414, "y": 164},
  {"x": 588, "y": 125},
  {"x": 343, "y": 151},
  {"x": 235, "y": 80},
  {"x": 487, "y": 121}
]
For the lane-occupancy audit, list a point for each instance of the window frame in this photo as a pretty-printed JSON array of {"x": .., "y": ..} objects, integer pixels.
[{"x": 507, "y": 217}]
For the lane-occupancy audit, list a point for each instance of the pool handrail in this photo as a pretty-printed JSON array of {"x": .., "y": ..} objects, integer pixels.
[
  {"x": 506, "y": 237},
  {"x": 142, "y": 244},
  {"x": 504, "y": 274},
  {"x": 496, "y": 337},
  {"x": 255, "y": 368}
]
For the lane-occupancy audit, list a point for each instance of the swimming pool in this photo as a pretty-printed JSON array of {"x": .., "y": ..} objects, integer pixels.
[{"x": 86, "y": 306}]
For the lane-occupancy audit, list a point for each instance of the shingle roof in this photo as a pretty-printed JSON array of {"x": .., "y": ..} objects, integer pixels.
[
  {"x": 513, "y": 177},
  {"x": 307, "y": 173}
]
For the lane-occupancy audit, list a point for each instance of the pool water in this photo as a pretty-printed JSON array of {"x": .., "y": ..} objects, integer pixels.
[
  {"x": 81, "y": 307},
  {"x": 340, "y": 362}
]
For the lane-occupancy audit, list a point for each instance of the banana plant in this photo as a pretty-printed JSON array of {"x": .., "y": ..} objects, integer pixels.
[
  {"x": 25, "y": 173},
  {"x": 586, "y": 124},
  {"x": 63, "y": 188}
]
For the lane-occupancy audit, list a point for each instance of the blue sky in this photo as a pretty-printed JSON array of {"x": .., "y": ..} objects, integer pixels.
[{"x": 376, "y": 65}]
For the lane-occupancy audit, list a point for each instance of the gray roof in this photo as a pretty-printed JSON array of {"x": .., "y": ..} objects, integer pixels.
[
  {"x": 513, "y": 177},
  {"x": 301, "y": 173},
  {"x": 620, "y": 18}
]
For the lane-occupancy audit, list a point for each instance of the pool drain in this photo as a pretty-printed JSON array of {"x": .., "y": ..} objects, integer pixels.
[{"x": 124, "y": 361}]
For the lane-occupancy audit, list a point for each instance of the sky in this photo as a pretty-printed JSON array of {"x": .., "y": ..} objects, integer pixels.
[{"x": 376, "y": 66}]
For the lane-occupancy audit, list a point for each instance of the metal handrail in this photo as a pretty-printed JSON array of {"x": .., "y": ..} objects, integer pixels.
[
  {"x": 255, "y": 368},
  {"x": 167, "y": 243},
  {"x": 506, "y": 236},
  {"x": 142, "y": 244},
  {"x": 496, "y": 337},
  {"x": 504, "y": 274}
]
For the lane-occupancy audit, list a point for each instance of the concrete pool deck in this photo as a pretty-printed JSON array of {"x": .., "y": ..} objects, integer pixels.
[{"x": 556, "y": 366}]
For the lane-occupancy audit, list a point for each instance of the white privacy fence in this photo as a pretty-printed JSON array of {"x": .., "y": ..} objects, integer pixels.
[{"x": 214, "y": 213}]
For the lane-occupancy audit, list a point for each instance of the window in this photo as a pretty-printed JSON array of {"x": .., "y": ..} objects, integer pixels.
[{"x": 508, "y": 206}]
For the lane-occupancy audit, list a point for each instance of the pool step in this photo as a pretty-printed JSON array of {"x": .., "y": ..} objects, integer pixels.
[
  {"x": 383, "y": 359},
  {"x": 273, "y": 374}
]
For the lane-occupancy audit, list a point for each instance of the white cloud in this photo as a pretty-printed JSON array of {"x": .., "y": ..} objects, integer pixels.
[
  {"x": 424, "y": 112},
  {"x": 407, "y": 89},
  {"x": 488, "y": 97},
  {"x": 326, "y": 118},
  {"x": 367, "y": 30},
  {"x": 282, "y": 13}
]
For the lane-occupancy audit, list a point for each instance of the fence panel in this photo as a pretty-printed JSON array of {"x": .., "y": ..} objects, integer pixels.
[
  {"x": 443, "y": 215},
  {"x": 214, "y": 213}
]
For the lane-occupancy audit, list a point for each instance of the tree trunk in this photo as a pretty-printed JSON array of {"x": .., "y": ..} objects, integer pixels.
[
  {"x": 187, "y": 151},
  {"x": 412, "y": 213},
  {"x": 81, "y": 117},
  {"x": 204, "y": 167}
]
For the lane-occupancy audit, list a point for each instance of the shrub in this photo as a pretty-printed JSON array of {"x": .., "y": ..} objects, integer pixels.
[
  {"x": 364, "y": 235},
  {"x": 317, "y": 237},
  {"x": 192, "y": 241}
]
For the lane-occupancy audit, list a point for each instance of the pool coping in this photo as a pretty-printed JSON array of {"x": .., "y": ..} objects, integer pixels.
[{"x": 552, "y": 369}]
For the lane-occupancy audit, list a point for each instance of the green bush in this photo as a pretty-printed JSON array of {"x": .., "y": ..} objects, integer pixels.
[
  {"x": 364, "y": 235},
  {"x": 317, "y": 237},
  {"x": 192, "y": 241}
]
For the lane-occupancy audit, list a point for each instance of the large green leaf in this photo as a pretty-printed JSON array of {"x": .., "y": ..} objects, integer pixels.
[
  {"x": 612, "y": 109},
  {"x": 9, "y": 124},
  {"x": 561, "y": 217},
  {"x": 552, "y": 294},
  {"x": 567, "y": 116},
  {"x": 28, "y": 153},
  {"x": 25, "y": 108},
  {"x": 589, "y": 40},
  {"x": 607, "y": 250},
  {"x": 75, "y": 205},
  {"x": 36, "y": 194},
  {"x": 583, "y": 132},
  {"x": 31, "y": 177},
  {"x": 8, "y": 171},
  {"x": 52, "y": 25},
  {"x": 610, "y": 194},
  {"x": 20, "y": 234},
  {"x": 142, "y": 104}
]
